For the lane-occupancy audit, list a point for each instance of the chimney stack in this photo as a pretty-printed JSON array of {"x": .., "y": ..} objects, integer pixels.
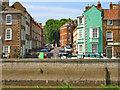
[
  {"x": 40, "y": 24},
  {"x": 5, "y": 3},
  {"x": 99, "y": 5},
  {"x": 111, "y": 5}
]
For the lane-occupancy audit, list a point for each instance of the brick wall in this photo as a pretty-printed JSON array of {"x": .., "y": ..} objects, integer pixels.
[
  {"x": 16, "y": 33},
  {"x": 115, "y": 28}
]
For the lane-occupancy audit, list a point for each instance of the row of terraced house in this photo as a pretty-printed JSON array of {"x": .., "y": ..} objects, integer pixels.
[
  {"x": 20, "y": 33},
  {"x": 96, "y": 33}
]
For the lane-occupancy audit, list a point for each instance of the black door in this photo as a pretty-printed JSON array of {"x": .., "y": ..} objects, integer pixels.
[{"x": 109, "y": 52}]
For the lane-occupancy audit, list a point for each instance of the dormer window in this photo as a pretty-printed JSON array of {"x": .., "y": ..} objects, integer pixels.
[
  {"x": 8, "y": 19},
  {"x": 110, "y": 22}
]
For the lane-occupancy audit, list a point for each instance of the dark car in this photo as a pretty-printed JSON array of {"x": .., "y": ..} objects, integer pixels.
[
  {"x": 61, "y": 53},
  {"x": 44, "y": 51},
  {"x": 47, "y": 49},
  {"x": 50, "y": 47}
]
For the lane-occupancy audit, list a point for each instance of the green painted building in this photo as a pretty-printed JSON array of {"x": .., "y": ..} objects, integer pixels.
[{"x": 90, "y": 39}]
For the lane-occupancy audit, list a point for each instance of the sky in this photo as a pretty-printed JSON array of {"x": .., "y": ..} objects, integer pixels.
[{"x": 42, "y": 10}]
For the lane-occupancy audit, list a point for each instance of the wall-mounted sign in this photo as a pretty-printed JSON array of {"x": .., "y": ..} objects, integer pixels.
[{"x": 113, "y": 43}]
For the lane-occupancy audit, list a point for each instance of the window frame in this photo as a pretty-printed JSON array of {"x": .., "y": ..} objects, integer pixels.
[
  {"x": 107, "y": 36},
  {"x": 8, "y": 49},
  {"x": 80, "y": 52},
  {"x": 91, "y": 32},
  {"x": 96, "y": 49},
  {"x": 6, "y": 38},
  {"x": 79, "y": 34},
  {"x": 7, "y": 19},
  {"x": 108, "y": 22}
]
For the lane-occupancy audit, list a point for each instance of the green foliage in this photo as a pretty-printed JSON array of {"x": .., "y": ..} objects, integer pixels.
[
  {"x": 52, "y": 29},
  {"x": 110, "y": 87},
  {"x": 66, "y": 87}
]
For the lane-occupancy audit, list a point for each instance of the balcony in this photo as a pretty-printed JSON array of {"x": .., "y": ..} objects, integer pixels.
[
  {"x": 92, "y": 40},
  {"x": 80, "y": 40}
]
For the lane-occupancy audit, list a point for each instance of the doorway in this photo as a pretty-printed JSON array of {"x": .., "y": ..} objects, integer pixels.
[{"x": 109, "y": 52}]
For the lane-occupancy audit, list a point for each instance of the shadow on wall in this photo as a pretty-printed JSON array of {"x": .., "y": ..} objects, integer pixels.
[{"x": 108, "y": 81}]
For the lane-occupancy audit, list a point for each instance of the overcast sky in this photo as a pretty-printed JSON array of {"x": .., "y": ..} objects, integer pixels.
[{"x": 42, "y": 10}]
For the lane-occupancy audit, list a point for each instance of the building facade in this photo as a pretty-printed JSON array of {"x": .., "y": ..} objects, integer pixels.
[
  {"x": 111, "y": 31},
  {"x": 36, "y": 32},
  {"x": 66, "y": 33},
  {"x": 90, "y": 39},
  {"x": 75, "y": 40},
  {"x": 16, "y": 31},
  {"x": 12, "y": 24}
]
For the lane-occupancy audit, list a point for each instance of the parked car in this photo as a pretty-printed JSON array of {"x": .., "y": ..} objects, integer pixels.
[
  {"x": 61, "y": 53},
  {"x": 48, "y": 49},
  {"x": 45, "y": 52},
  {"x": 68, "y": 48}
]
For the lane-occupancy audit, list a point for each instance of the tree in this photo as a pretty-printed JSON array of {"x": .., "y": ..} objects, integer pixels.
[{"x": 52, "y": 29}]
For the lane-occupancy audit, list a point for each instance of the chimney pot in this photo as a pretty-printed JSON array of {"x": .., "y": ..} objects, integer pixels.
[{"x": 111, "y": 5}]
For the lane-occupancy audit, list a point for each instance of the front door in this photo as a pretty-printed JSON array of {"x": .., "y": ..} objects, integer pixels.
[{"x": 109, "y": 52}]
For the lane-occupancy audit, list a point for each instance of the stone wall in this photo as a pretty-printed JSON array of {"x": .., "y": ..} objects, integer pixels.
[{"x": 75, "y": 73}]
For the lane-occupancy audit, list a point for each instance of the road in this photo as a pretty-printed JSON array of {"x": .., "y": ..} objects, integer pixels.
[{"x": 55, "y": 53}]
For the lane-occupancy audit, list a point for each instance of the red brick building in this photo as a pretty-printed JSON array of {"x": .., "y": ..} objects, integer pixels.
[
  {"x": 66, "y": 33},
  {"x": 16, "y": 31},
  {"x": 111, "y": 31}
]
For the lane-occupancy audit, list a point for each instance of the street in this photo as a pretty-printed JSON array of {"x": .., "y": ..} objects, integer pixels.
[{"x": 55, "y": 52}]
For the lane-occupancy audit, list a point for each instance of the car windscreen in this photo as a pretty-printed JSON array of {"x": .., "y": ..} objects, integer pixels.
[
  {"x": 43, "y": 51},
  {"x": 61, "y": 50},
  {"x": 68, "y": 47}
]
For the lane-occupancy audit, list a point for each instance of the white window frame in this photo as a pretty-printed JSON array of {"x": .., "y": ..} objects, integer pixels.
[
  {"x": 80, "y": 52},
  {"x": 107, "y": 36},
  {"x": 10, "y": 34},
  {"x": 97, "y": 48},
  {"x": 80, "y": 37},
  {"x": 10, "y": 19},
  {"x": 8, "y": 51},
  {"x": 91, "y": 32},
  {"x": 108, "y": 22}
]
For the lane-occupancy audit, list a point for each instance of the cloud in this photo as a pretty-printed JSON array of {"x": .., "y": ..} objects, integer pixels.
[
  {"x": 51, "y": 9},
  {"x": 52, "y": 12},
  {"x": 64, "y": 0}
]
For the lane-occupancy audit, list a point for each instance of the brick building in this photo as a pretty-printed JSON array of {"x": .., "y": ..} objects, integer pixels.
[
  {"x": 36, "y": 35},
  {"x": 111, "y": 31},
  {"x": 66, "y": 33},
  {"x": 16, "y": 30}
]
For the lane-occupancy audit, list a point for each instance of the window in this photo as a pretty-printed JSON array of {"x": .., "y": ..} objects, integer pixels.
[
  {"x": 6, "y": 49},
  {"x": 109, "y": 22},
  {"x": 94, "y": 32},
  {"x": 109, "y": 35},
  {"x": 79, "y": 20},
  {"x": 9, "y": 19},
  {"x": 80, "y": 48},
  {"x": 69, "y": 29},
  {"x": 69, "y": 35},
  {"x": 80, "y": 34},
  {"x": 94, "y": 48},
  {"x": 8, "y": 35}
]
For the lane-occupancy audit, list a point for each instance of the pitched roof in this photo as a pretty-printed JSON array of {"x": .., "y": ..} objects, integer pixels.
[{"x": 111, "y": 13}]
